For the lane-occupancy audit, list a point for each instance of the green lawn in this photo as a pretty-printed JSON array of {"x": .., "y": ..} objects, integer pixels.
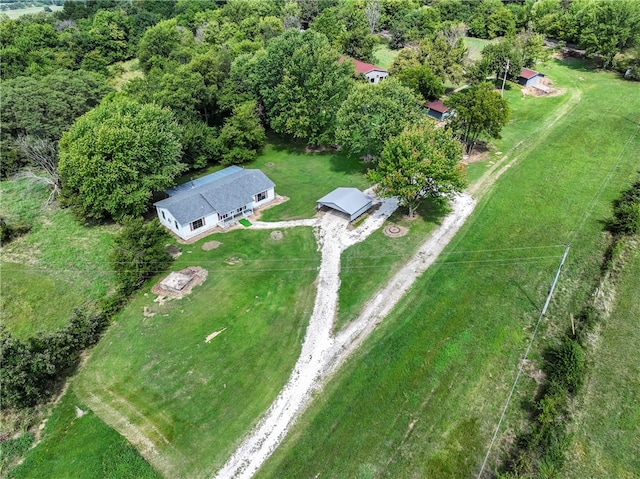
[
  {"x": 384, "y": 56},
  {"x": 607, "y": 422},
  {"x": 368, "y": 265},
  {"x": 305, "y": 178},
  {"x": 422, "y": 397},
  {"x": 82, "y": 447},
  {"x": 193, "y": 400},
  {"x": 475, "y": 46},
  {"x": 58, "y": 265},
  {"x": 18, "y": 12}
]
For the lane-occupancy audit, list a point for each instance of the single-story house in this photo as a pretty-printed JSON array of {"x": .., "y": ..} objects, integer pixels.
[
  {"x": 438, "y": 110},
  {"x": 372, "y": 73},
  {"x": 218, "y": 199},
  {"x": 350, "y": 201},
  {"x": 529, "y": 77}
]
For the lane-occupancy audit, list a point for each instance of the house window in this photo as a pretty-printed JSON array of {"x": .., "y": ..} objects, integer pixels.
[
  {"x": 163, "y": 216},
  {"x": 197, "y": 224},
  {"x": 373, "y": 80},
  {"x": 241, "y": 209},
  {"x": 176, "y": 223},
  {"x": 261, "y": 196},
  {"x": 224, "y": 216}
]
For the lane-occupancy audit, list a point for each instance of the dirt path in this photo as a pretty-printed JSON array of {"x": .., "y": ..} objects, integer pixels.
[{"x": 322, "y": 352}]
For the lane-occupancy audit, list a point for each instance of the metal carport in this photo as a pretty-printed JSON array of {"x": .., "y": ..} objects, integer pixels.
[{"x": 350, "y": 201}]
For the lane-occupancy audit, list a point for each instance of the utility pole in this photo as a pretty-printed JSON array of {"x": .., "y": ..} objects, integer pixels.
[{"x": 505, "y": 78}]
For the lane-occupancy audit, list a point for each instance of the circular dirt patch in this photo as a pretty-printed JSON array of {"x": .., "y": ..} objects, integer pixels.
[
  {"x": 395, "y": 231},
  {"x": 277, "y": 235},
  {"x": 209, "y": 245},
  {"x": 269, "y": 163},
  {"x": 233, "y": 260}
]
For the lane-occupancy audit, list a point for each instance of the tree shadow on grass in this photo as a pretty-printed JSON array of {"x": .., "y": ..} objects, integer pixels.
[
  {"x": 577, "y": 64},
  {"x": 428, "y": 212},
  {"x": 341, "y": 163}
]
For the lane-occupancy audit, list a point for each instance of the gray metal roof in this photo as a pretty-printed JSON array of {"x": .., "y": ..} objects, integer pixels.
[
  {"x": 347, "y": 200},
  {"x": 203, "y": 180},
  {"x": 224, "y": 194}
]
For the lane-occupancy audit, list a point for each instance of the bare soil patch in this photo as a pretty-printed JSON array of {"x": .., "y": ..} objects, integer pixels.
[
  {"x": 213, "y": 335},
  {"x": 173, "y": 250},
  {"x": 395, "y": 231},
  {"x": 480, "y": 152},
  {"x": 209, "y": 245},
  {"x": 179, "y": 283},
  {"x": 276, "y": 235}
]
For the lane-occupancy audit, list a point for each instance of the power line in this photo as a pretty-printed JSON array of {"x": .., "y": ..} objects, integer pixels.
[{"x": 526, "y": 353}]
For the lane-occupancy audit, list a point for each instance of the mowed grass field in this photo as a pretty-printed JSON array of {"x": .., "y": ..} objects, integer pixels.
[
  {"x": 423, "y": 396},
  {"x": 110, "y": 457},
  {"x": 607, "y": 419},
  {"x": 194, "y": 400}
]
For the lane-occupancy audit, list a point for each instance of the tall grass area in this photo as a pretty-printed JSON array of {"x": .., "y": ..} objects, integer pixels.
[
  {"x": 423, "y": 396},
  {"x": 607, "y": 418},
  {"x": 57, "y": 265},
  {"x": 76, "y": 446}
]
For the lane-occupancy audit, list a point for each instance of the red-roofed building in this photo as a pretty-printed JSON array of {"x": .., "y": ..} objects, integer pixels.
[
  {"x": 529, "y": 77},
  {"x": 372, "y": 73},
  {"x": 438, "y": 110}
]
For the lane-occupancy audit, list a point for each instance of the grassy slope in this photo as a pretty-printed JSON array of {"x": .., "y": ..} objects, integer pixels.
[
  {"x": 475, "y": 46},
  {"x": 607, "y": 426},
  {"x": 423, "y": 396},
  {"x": 59, "y": 264},
  {"x": 69, "y": 449}
]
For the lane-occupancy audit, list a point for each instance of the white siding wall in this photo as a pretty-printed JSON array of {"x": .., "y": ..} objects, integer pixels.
[
  {"x": 184, "y": 231},
  {"x": 270, "y": 197},
  {"x": 376, "y": 76}
]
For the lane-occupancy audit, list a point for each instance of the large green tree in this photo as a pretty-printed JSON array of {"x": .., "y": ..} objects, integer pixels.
[
  {"x": 372, "y": 114},
  {"x": 479, "y": 111},
  {"x": 605, "y": 28},
  {"x": 116, "y": 156},
  {"x": 302, "y": 85},
  {"x": 242, "y": 137},
  {"x": 421, "y": 162}
]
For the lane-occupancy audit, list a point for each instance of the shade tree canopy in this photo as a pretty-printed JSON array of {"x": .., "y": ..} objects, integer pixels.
[
  {"x": 479, "y": 111},
  {"x": 116, "y": 156},
  {"x": 372, "y": 114},
  {"x": 302, "y": 85},
  {"x": 422, "y": 162}
]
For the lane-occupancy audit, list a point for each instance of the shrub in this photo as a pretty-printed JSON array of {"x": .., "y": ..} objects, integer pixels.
[
  {"x": 138, "y": 253},
  {"x": 32, "y": 369},
  {"x": 626, "y": 212},
  {"x": 566, "y": 365}
]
